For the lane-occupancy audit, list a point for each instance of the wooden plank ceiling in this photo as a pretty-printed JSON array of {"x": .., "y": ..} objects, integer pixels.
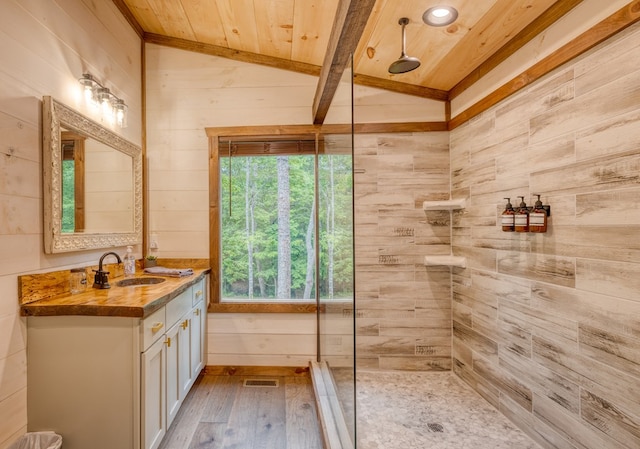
[{"x": 297, "y": 35}]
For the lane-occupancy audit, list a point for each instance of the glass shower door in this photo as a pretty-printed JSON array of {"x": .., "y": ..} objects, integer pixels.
[{"x": 336, "y": 318}]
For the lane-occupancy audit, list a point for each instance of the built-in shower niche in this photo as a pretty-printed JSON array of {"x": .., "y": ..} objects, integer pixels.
[{"x": 439, "y": 214}]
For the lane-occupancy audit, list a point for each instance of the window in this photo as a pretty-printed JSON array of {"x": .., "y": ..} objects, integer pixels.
[{"x": 267, "y": 220}]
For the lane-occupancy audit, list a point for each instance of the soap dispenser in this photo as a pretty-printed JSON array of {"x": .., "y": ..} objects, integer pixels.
[
  {"x": 508, "y": 217},
  {"x": 129, "y": 263},
  {"x": 538, "y": 217},
  {"x": 522, "y": 217}
]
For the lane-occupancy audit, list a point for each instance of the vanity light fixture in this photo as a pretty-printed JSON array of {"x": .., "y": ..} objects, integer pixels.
[
  {"x": 439, "y": 16},
  {"x": 113, "y": 109}
]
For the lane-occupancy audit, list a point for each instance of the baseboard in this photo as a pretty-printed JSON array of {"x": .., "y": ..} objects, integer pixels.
[{"x": 286, "y": 371}]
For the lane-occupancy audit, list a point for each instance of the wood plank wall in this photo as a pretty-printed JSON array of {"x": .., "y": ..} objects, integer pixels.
[
  {"x": 46, "y": 46},
  {"x": 547, "y": 327}
]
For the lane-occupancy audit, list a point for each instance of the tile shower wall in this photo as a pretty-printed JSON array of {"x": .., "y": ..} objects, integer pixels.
[
  {"x": 547, "y": 327},
  {"x": 403, "y": 310}
]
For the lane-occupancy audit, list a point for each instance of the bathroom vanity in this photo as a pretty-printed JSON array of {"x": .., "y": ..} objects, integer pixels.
[{"x": 110, "y": 368}]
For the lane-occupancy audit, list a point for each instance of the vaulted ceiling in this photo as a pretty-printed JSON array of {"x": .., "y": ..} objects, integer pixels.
[{"x": 316, "y": 36}]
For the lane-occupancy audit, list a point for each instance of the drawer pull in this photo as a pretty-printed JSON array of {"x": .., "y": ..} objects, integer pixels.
[
  {"x": 196, "y": 312},
  {"x": 168, "y": 342},
  {"x": 198, "y": 293},
  {"x": 157, "y": 326},
  {"x": 184, "y": 324}
]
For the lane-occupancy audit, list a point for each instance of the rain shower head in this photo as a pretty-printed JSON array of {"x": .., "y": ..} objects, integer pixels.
[{"x": 405, "y": 63}]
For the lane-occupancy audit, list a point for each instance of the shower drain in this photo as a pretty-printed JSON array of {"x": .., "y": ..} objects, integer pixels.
[{"x": 435, "y": 427}]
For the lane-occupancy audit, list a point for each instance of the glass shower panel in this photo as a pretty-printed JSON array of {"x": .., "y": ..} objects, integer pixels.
[{"x": 336, "y": 320}]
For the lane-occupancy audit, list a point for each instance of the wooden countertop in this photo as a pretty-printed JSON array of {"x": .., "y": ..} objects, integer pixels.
[{"x": 139, "y": 301}]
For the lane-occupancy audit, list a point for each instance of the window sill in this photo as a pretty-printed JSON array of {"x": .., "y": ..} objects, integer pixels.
[{"x": 262, "y": 307}]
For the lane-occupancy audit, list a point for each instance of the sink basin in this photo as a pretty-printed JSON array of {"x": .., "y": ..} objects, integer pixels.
[{"x": 137, "y": 282}]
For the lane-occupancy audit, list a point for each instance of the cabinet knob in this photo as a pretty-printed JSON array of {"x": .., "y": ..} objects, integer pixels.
[
  {"x": 168, "y": 342},
  {"x": 155, "y": 327},
  {"x": 198, "y": 293}
]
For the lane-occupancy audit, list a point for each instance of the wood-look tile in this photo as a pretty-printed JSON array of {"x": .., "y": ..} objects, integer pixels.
[
  {"x": 612, "y": 208},
  {"x": 505, "y": 382},
  {"x": 476, "y": 341},
  {"x": 620, "y": 425},
  {"x": 611, "y": 137},
  {"x": 415, "y": 363},
  {"x": 619, "y": 351},
  {"x": 543, "y": 381},
  {"x": 609, "y": 277},
  {"x": 614, "y": 314},
  {"x": 570, "y": 427},
  {"x": 593, "y": 175},
  {"x": 538, "y": 267}
]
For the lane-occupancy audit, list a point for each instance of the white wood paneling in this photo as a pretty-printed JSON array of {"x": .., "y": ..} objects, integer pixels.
[{"x": 46, "y": 46}]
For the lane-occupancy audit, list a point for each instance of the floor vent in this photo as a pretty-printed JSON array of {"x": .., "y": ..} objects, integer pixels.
[
  {"x": 260, "y": 383},
  {"x": 435, "y": 427}
]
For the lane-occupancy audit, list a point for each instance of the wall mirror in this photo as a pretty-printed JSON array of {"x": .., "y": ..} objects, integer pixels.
[{"x": 92, "y": 183}]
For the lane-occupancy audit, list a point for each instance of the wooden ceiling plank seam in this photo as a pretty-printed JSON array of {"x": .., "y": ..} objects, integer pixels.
[
  {"x": 239, "y": 22},
  {"x": 350, "y": 20},
  {"x": 206, "y": 22},
  {"x": 362, "y": 50},
  {"x": 494, "y": 29},
  {"x": 615, "y": 23},
  {"x": 541, "y": 23},
  {"x": 275, "y": 30},
  {"x": 310, "y": 31},
  {"x": 173, "y": 18},
  {"x": 129, "y": 17},
  {"x": 145, "y": 16}
]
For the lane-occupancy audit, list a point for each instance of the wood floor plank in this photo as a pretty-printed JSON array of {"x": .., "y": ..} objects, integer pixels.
[
  {"x": 220, "y": 413},
  {"x": 270, "y": 424},
  {"x": 181, "y": 431},
  {"x": 224, "y": 390},
  {"x": 208, "y": 436},
  {"x": 301, "y": 421}
]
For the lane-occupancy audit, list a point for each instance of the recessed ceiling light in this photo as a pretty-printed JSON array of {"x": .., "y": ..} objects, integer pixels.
[{"x": 439, "y": 16}]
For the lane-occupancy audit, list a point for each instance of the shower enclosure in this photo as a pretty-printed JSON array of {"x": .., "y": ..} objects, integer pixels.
[{"x": 336, "y": 300}]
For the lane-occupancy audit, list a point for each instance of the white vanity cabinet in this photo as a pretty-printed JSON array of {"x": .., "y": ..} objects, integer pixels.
[{"x": 106, "y": 382}]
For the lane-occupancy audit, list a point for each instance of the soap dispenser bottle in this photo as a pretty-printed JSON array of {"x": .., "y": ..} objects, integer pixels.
[
  {"x": 522, "y": 217},
  {"x": 507, "y": 218},
  {"x": 129, "y": 262},
  {"x": 538, "y": 217}
]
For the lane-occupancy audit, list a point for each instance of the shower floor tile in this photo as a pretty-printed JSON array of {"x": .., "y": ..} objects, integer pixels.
[{"x": 407, "y": 410}]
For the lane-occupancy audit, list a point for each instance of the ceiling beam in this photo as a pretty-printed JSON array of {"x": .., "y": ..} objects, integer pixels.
[
  {"x": 401, "y": 88},
  {"x": 230, "y": 53},
  {"x": 348, "y": 26}
]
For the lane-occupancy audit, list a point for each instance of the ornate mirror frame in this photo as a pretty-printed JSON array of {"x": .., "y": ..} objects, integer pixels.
[{"x": 54, "y": 116}]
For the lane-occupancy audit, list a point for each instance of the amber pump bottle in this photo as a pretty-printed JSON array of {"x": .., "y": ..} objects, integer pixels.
[
  {"x": 508, "y": 217},
  {"x": 522, "y": 217},
  {"x": 538, "y": 217}
]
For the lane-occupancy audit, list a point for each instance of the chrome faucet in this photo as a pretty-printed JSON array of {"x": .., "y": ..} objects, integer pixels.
[{"x": 101, "y": 278}]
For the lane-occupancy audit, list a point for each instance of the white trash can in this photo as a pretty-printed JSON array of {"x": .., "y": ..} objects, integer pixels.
[{"x": 38, "y": 440}]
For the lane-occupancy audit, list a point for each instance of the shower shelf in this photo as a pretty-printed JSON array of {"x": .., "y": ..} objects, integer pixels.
[
  {"x": 444, "y": 205},
  {"x": 448, "y": 261}
]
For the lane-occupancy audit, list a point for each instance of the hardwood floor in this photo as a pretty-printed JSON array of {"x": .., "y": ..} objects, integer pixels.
[{"x": 221, "y": 413}]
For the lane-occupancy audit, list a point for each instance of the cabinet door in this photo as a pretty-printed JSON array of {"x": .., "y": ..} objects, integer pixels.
[
  {"x": 198, "y": 334},
  {"x": 184, "y": 361},
  {"x": 174, "y": 388},
  {"x": 153, "y": 395}
]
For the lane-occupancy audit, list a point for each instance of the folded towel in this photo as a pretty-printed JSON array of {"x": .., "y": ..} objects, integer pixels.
[{"x": 172, "y": 272}]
